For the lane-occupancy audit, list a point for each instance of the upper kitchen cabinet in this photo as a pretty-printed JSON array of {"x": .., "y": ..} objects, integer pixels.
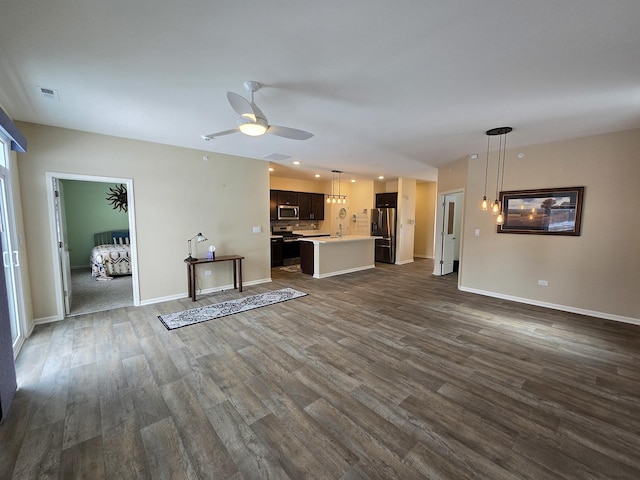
[
  {"x": 304, "y": 201},
  {"x": 317, "y": 206},
  {"x": 287, "y": 198},
  {"x": 273, "y": 204},
  {"x": 384, "y": 200},
  {"x": 311, "y": 206}
]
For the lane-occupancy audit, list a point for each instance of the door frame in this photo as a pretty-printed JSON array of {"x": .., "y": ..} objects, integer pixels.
[
  {"x": 437, "y": 266},
  {"x": 57, "y": 271}
]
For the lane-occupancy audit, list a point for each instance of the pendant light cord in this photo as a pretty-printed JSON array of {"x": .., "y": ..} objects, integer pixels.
[
  {"x": 504, "y": 157},
  {"x": 486, "y": 168}
]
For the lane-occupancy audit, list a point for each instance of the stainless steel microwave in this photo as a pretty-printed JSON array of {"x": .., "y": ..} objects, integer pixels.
[{"x": 288, "y": 212}]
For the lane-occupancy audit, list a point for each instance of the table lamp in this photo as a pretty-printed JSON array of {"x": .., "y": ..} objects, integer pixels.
[{"x": 199, "y": 238}]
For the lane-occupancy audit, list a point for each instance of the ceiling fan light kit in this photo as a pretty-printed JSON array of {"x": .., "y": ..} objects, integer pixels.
[
  {"x": 252, "y": 126},
  {"x": 252, "y": 121}
]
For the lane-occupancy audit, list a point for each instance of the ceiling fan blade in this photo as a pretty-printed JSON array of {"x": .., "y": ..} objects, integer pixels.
[
  {"x": 240, "y": 104},
  {"x": 257, "y": 112},
  {"x": 211, "y": 136},
  {"x": 286, "y": 132}
]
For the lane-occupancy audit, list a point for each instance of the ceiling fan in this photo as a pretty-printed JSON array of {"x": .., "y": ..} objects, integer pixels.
[{"x": 252, "y": 121}]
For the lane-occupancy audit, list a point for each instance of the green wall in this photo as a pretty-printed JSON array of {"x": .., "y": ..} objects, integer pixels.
[{"x": 87, "y": 212}]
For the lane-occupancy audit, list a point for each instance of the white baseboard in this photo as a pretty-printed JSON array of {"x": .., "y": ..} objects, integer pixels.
[
  {"x": 202, "y": 292},
  {"x": 38, "y": 321},
  {"x": 341, "y": 272},
  {"x": 554, "y": 306},
  {"x": 404, "y": 262},
  {"x": 430, "y": 257}
]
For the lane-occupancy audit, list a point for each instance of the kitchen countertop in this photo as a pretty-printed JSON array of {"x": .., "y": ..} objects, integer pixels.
[
  {"x": 345, "y": 238},
  {"x": 311, "y": 233}
]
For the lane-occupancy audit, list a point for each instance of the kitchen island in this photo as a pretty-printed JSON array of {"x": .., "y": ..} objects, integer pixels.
[{"x": 327, "y": 256}]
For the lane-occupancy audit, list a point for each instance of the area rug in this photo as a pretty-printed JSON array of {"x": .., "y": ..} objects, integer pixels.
[
  {"x": 210, "y": 312},
  {"x": 291, "y": 268}
]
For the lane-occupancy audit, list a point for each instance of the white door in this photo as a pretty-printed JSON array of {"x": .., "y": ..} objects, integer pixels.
[
  {"x": 448, "y": 235},
  {"x": 63, "y": 245}
]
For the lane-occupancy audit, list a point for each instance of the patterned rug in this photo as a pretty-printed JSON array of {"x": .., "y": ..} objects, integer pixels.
[
  {"x": 291, "y": 268},
  {"x": 210, "y": 312}
]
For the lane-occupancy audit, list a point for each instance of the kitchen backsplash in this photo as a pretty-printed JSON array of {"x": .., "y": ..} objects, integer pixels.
[{"x": 298, "y": 224}]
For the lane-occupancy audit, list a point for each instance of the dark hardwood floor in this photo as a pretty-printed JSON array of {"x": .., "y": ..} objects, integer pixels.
[{"x": 381, "y": 374}]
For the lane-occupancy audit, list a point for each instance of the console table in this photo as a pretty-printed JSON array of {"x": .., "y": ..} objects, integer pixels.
[{"x": 237, "y": 271}]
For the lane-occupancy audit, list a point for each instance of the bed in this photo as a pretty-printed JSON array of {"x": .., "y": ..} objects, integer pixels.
[{"x": 111, "y": 255}]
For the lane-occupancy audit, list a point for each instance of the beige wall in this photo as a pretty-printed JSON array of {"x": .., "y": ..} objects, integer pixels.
[
  {"x": 426, "y": 195},
  {"x": 453, "y": 177},
  {"x": 406, "y": 213},
  {"x": 299, "y": 185},
  {"x": 176, "y": 195},
  {"x": 595, "y": 273}
]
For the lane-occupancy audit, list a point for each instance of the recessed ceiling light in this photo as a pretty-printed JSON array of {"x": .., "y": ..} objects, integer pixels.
[
  {"x": 353, "y": 180},
  {"x": 381, "y": 177},
  {"x": 317, "y": 175},
  {"x": 296, "y": 162},
  {"x": 271, "y": 169}
]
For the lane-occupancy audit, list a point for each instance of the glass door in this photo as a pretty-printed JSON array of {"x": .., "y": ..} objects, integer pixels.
[{"x": 10, "y": 254}]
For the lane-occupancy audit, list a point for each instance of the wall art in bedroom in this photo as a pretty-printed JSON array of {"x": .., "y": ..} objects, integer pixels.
[{"x": 118, "y": 197}]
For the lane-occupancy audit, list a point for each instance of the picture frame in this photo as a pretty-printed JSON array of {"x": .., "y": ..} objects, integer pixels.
[{"x": 545, "y": 211}]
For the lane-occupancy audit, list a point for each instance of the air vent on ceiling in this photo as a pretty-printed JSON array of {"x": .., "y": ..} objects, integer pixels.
[
  {"x": 49, "y": 93},
  {"x": 277, "y": 157}
]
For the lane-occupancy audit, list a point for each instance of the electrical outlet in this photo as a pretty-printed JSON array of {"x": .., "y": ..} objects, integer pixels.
[
  {"x": 543, "y": 283},
  {"x": 257, "y": 229},
  {"x": 207, "y": 273}
]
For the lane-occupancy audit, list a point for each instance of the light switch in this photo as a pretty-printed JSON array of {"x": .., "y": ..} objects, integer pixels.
[
  {"x": 257, "y": 229},
  {"x": 477, "y": 232}
]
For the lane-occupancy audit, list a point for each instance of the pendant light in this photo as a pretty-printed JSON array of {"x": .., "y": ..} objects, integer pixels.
[
  {"x": 340, "y": 199},
  {"x": 496, "y": 208},
  {"x": 486, "y": 174},
  {"x": 329, "y": 197}
]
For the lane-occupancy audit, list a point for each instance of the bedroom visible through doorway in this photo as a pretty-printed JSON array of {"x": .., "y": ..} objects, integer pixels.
[{"x": 96, "y": 262}]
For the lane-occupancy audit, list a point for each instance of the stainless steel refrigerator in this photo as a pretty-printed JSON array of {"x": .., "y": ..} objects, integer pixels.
[{"x": 383, "y": 225}]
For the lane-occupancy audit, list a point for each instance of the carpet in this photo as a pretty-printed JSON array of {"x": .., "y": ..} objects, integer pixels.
[{"x": 210, "y": 312}]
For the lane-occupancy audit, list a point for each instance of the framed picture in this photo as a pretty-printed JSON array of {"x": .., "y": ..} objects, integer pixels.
[{"x": 547, "y": 211}]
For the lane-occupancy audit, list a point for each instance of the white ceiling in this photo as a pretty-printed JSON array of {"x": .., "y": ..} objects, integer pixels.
[{"x": 387, "y": 87}]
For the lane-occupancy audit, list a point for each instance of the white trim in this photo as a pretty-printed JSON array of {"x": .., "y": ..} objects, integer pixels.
[
  {"x": 57, "y": 274},
  {"x": 437, "y": 269},
  {"x": 40, "y": 321},
  {"x": 202, "y": 292},
  {"x": 554, "y": 306},
  {"x": 415, "y": 255},
  {"x": 404, "y": 262},
  {"x": 340, "y": 272}
]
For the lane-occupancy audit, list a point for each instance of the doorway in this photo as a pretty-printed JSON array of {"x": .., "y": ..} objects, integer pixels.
[
  {"x": 449, "y": 231},
  {"x": 73, "y": 223}
]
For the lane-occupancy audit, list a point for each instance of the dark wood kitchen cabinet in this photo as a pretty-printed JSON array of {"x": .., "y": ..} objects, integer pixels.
[
  {"x": 311, "y": 206},
  {"x": 387, "y": 200},
  {"x": 287, "y": 198},
  {"x": 304, "y": 201},
  {"x": 317, "y": 206},
  {"x": 273, "y": 204},
  {"x": 277, "y": 252}
]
